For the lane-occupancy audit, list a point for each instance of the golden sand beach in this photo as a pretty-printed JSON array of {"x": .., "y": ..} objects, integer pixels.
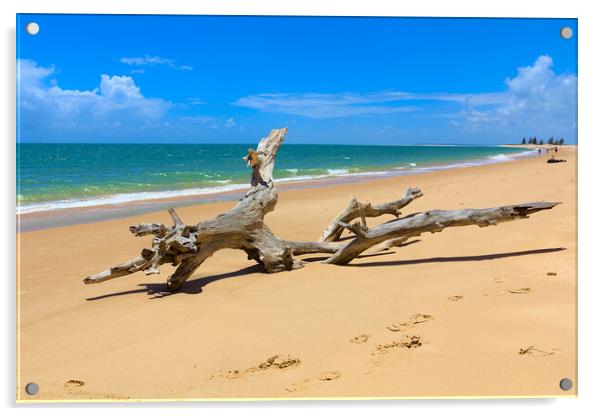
[{"x": 465, "y": 312}]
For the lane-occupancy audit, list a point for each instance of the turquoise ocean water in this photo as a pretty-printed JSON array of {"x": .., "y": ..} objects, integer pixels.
[{"x": 55, "y": 176}]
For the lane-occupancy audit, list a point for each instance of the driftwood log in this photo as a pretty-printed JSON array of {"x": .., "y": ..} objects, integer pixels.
[{"x": 242, "y": 227}]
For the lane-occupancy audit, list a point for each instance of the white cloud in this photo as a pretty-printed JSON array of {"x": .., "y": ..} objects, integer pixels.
[
  {"x": 197, "y": 119},
  {"x": 537, "y": 101},
  {"x": 315, "y": 105},
  {"x": 46, "y": 109},
  {"x": 230, "y": 123},
  {"x": 154, "y": 61},
  {"x": 537, "y": 91},
  {"x": 147, "y": 60}
]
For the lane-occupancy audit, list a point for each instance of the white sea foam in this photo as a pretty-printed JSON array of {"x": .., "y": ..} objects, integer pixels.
[
  {"x": 526, "y": 153},
  {"x": 411, "y": 164},
  {"x": 301, "y": 178},
  {"x": 337, "y": 171},
  {"x": 227, "y": 186},
  {"x": 373, "y": 173},
  {"x": 125, "y": 198},
  {"x": 500, "y": 157},
  {"x": 333, "y": 173}
]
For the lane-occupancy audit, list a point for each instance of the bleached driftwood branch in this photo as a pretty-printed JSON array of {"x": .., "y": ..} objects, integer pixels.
[
  {"x": 242, "y": 227},
  {"x": 430, "y": 221},
  {"x": 356, "y": 209}
]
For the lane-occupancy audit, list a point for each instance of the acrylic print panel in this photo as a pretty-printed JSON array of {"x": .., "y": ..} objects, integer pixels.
[{"x": 405, "y": 228}]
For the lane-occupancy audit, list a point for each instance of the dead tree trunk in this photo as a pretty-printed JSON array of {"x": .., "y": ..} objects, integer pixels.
[{"x": 242, "y": 227}]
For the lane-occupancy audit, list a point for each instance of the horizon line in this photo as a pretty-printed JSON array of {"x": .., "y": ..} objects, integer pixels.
[{"x": 290, "y": 144}]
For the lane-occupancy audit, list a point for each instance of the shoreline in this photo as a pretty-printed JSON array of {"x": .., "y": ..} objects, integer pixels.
[{"x": 58, "y": 217}]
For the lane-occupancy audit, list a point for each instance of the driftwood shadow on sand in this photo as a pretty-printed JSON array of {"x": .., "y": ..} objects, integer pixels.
[
  {"x": 458, "y": 258},
  {"x": 195, "y": 286},
  {"x": 191, "y": 287}
]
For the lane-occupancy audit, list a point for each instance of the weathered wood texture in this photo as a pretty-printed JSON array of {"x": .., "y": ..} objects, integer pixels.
[
  {"x": 357, "y": 209},
  {"x": 242, "y": 227},
  {"x": 429, "y": 221}
]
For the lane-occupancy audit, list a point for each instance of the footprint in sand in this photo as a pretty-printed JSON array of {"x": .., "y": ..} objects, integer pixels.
[
  {"x": 274, "y": 362},
  {"x": 298, "y": 386},
  {"x": 415, "y": 319},
  {"x": 404, "y": 326},
  {"x": 407, "y": 342},
  {"x": 233, "y": 374},
  {"x": 455, "y": 298},
  {"x": 520, "y": 291},
  {"x": 360, "y": 339},
  {"x": 420, "y": 318},
  {"x": 306, "y": 383},
  {"x": 515, "y": 291},
  {"x": 535, "y": 352},
  {"x": 73, "y": 385},
  {"x": 498, "y": 280},
  {"x": 329, "y": 375}
]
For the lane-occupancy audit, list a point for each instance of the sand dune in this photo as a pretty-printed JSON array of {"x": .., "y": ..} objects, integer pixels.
[{"x": 469, "y": 311}]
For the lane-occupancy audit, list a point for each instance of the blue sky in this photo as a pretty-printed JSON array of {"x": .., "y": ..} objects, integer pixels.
[{"x": 197, "y": 79}]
